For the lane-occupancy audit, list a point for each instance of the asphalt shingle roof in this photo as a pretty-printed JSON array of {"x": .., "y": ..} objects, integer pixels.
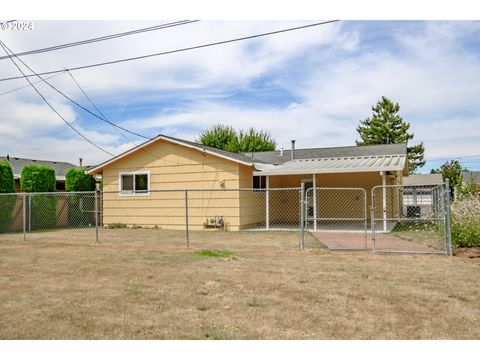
[{"x": 18, "y": 164}]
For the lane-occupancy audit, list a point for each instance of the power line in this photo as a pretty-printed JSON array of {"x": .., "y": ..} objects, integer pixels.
[
  {"x": 26, "y": 86},
  {"x": 178, "y": 50},
  {"x": 99, "y": 111},
  {"x": 104, "y": 119},
  {"x": 102, "y": 38},
  {"x": 50, "y": 105}
]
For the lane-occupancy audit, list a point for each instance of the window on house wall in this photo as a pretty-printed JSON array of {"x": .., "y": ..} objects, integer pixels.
[
  {"x": 134, "y": 183},
  {"x": 259, "y": 182}
]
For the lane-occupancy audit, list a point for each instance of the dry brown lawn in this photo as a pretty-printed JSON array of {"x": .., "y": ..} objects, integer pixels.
[{"x": 144, "y": 284}]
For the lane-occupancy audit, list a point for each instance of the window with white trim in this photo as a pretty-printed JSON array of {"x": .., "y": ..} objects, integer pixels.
[{"x": 135, "y": 183}]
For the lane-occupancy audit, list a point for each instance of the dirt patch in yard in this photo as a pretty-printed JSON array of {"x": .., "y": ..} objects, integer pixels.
[{"x": 145, "y": 284}]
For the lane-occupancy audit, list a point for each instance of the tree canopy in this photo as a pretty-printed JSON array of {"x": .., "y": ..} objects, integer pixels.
[
  {"x": 452, "y": 170},
  {"x": 385, "y": 126},
  {"x": 227, "y": 138}
]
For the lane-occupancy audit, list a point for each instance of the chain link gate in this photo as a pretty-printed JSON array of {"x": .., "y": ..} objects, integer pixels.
[
  {"x": 337, "y": 217},
  {"x": 411, "y": 219}
]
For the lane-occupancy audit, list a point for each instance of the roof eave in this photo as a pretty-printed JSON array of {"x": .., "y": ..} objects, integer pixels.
[
  {"x": 328, "y": 171},
  {"x": 98, "y": 169}
]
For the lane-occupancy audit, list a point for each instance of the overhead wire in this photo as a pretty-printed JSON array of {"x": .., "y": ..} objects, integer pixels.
[
  {"x": 72, "y": 100},
  {"x": 102, "y": 38},
  {"x": 179, "y": 50},
  {"x": 50, "y": 105}
]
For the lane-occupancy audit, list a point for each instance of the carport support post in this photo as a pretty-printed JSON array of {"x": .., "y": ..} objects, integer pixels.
[
  {"x": 314, "y": 202},
  {"x": 267, "y": 203},
  {"x": 302, "y": 216},
  {"x": 384, "y": 200}
]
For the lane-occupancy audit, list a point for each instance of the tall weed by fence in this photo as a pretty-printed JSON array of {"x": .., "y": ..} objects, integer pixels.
[{"x": 466, "y": 221}]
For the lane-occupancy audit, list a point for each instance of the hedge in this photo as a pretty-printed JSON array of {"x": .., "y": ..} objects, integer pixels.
[
  {"x": 43, "y": 208},
  {"x": 7, "y": 202},
  {"x": 36, "y": 178},
  {"x": 81, "y": 206},
  {"x": 77, "y": 180}
]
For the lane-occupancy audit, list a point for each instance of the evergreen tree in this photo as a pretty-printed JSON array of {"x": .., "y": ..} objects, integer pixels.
[{"x": 387, "y": 127}]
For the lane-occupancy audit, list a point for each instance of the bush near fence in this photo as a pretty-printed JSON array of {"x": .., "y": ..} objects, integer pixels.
[
  {"x": 38, "y": 179},
  {"x": 7, "y": 203},
  {"x": 466, "y": 222},
  {"x": 77, "y": 180}
]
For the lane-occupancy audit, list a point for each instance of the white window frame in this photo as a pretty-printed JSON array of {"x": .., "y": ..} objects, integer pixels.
[{"x": 133, "y": 193}]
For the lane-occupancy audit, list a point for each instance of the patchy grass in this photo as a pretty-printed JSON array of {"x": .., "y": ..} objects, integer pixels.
[
  {"x": 213, "y": 253},
  {"x": 145, "y": 284}
]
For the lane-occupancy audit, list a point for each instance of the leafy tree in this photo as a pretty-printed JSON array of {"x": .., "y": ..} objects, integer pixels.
[
  {"x": 220, "y": 137},
  {"x": 387, "y": 127},
  {"x": 253, "y": 140},
  {"x": 451, "y": 170},
  {"x": 7, "y": 202},
  {"x": 227, "y": 138},
  {"x": 77, "y": 180}
]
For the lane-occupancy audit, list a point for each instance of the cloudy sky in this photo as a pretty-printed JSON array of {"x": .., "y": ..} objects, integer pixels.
[{"x": 314, "y": 85}]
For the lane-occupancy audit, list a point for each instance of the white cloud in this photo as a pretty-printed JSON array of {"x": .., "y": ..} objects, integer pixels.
[{"x": 333, "y": 76}]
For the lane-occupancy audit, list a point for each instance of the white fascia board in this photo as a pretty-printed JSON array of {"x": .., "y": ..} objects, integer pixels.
[
  {"x": 327, "y": 171},
  {"x": 161, "y": 137}
]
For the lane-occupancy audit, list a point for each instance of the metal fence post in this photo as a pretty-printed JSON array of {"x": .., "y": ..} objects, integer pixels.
[
  {"x": 29, "y": 213},
  {"x": 24, "y": 203},
  {"x": 448, "y": 220},
  {"x": 187, "y": 238},
  {"x": 372, "y": 221},
  {"x": 302, "y": 216},
  {"x": 97, "y": 190}
]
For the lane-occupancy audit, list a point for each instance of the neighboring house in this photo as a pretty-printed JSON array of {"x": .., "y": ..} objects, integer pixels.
[
  {"x": 472, "y": 177},
  {"x": 168, "y": 163},
  {"x": 18, "y": 164}
]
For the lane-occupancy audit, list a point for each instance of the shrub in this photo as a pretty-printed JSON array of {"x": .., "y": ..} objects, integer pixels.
[
  {"x": 7, "y": 202},
  {"x": 466, "y": 222},
  {"x": 36, "y": 178},
  {"x": 43, "y": 207},
  {"x": 77, "y": 180}
]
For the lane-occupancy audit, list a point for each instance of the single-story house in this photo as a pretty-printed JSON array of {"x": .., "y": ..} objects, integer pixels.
[
  {"x": 17, "y": 164},
  {"x": 166, "y": 163}
]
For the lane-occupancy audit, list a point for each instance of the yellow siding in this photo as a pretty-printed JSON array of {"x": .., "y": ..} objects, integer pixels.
[{"x": 173, "y": 167}]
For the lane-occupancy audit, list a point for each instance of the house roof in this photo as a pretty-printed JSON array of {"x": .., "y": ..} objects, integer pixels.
[
  {"x": 423, "y": 179},
  {"x": 346, "y": 164},
  {"x": 18, "y": 164},
  {"x": 239, "y": 158},
  {"x": 274, "y": 157},
  {"x": 471, "y": 176}
]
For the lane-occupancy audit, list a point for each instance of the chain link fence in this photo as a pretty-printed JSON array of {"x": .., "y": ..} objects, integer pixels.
[
  {"x": 338, "y": 217},
  {"x": 411, "y": 219},
  {"x": 27, "y": 212},
  {"x": 401, "y": 218}
]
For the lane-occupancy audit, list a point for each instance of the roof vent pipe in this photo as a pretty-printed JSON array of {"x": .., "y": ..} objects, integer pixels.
[
  {"x": 293, "y": 149},
  {"x": 281, "y": 151}
]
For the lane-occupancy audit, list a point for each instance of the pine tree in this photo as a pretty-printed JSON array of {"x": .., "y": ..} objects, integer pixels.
[{"x": 387, "y": 127}]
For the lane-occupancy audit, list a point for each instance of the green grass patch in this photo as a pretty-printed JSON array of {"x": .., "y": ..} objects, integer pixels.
[{"x": 214, "y": 253}]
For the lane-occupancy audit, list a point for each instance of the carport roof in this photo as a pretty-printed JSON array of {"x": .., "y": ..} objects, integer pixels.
[{"x": 331, "y": 165}]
